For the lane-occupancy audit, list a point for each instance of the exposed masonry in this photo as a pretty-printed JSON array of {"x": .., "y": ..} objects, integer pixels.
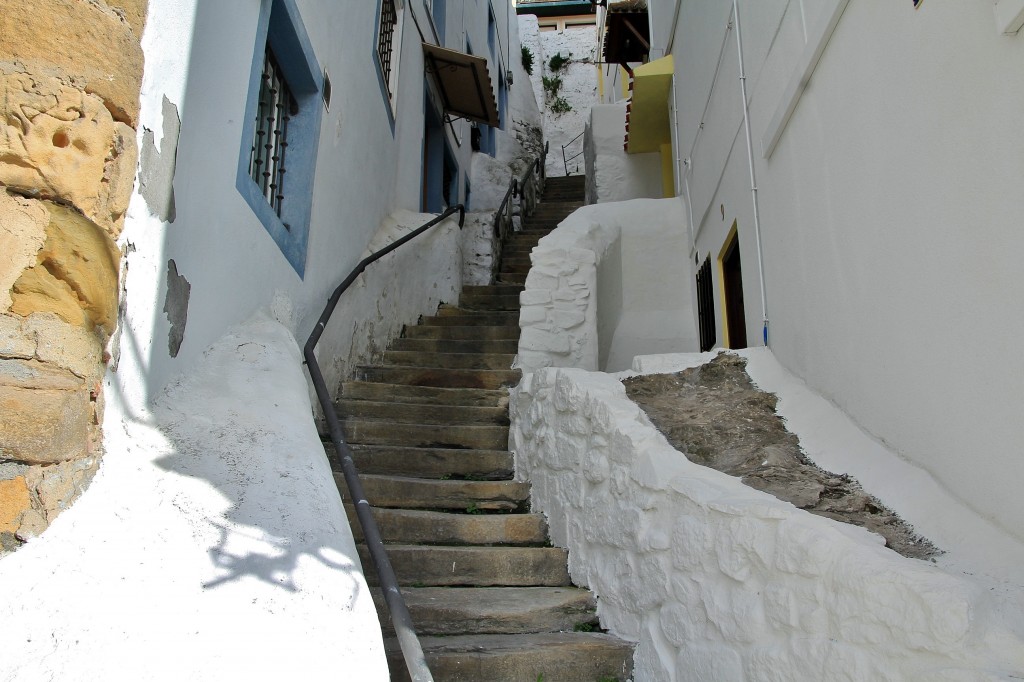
[{"x": 718, "y": 581}]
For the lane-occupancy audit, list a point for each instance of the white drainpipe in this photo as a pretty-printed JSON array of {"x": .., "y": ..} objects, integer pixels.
[{"x": 753, "y": 178}]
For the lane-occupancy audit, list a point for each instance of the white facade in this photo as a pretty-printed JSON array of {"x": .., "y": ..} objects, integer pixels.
[{"x": 887, "y": 159}]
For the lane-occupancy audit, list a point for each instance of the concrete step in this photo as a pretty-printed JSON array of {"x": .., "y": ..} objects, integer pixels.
[
  {"x": 469, "y": 436},
  {"x": 470, "y": 317},
  {"x": 446, "y": 378},
  {"x": 396, "y": 460},
  {"x": 416, "y": 413},
  {"x": 420, "y": 493},
  {"x": 418, "y": 526},
  {"x": 501, "y": 289},
  {"x": 425, "y": 345},
  {"x": 489, "y": 301},
  {"x": 404, "y": 358},
  {"x": 550, "y": 657},
  {"x": 512, "y": 277},
  {"x": 493, "y": 610},
  {"x": 453, "y": 566},
  {"x": 469, "y": 332},
  {"x": 401, "y": 393}
]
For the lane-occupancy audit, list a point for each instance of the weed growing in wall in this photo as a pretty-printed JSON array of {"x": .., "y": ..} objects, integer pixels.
[
  {"x": 558, "y": 61},
  {"x": 527, "y": 60},
  {"x": 560, "y": 106}
]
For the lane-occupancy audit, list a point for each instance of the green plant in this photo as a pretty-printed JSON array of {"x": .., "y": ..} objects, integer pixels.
[
  {"x": 552, "y": 85},
  {"x": 558, "y": 61},
  {"x": 473, "y": 509},
  {"x": 528, "y": 60},
  {"x": 583, "y": 626},
  {"x": 560, "y": 106}
]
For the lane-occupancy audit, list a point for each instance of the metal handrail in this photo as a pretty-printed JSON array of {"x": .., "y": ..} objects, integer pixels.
[
  {"x": 412, "y": 652},
  {"x": 505, "y": 215},
  {"x": 565, "y": 161}
]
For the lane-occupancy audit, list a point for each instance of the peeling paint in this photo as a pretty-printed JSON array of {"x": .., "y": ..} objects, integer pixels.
[
  {"x": 156, "y": 166},
  {"x": 176, "y": 306}
]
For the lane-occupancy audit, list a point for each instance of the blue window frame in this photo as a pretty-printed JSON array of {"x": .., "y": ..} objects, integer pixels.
[
  {"x": 283, "y": 209},
  {"x": 437, "y": 11}
]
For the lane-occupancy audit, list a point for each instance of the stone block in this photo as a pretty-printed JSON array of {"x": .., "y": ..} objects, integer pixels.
[
  {"x": 57, "y": 142},
  {"x": 89, "y": 42},
  {"x": 14, "y": 343},
  {"x": 538, "y": 340},
  {"x": 62, "y": 483},
  {"x": 22, "y": 233},
  {"x": 568, "y": 319},
  {"x": 15, "y": 499},
  {"x": 66, "y": 346},
  {"x": 532, "y": 315},
  {"x": 43, "y": 425},
  {"x": 534, "y": 297},
  {"x": 77, "y": 274}
]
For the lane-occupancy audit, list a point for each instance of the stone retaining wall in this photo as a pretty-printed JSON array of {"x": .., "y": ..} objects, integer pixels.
[
  {"x": 70, "y": 74},
  {"x": 718, "y": 581}
]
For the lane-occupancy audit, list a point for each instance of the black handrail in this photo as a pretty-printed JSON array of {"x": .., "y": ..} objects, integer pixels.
[
  {"x": 400, "y": 618},
  {"x": 565, "y": 161},
  {"x": 518, "y": 188}
]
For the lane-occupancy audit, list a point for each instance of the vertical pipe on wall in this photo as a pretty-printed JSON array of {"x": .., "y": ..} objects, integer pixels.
[{"x": 753, "y": 177}]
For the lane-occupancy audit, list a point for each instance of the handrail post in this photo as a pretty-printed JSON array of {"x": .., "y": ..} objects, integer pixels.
[{"x": 412, "y": 652}]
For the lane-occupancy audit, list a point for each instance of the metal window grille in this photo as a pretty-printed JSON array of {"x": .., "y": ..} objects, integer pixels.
[
  {"x": 276, "y": 107},
  {"x": 388, "y": 22},
  {"x": 706, "y": 307}
]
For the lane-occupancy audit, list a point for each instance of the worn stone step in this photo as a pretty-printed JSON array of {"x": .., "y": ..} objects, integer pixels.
[
  {"x": 424, "y": 345},
  {"x": 448, "y": 378},
  {"x": 402, "y": 393},
  {"x": 521, "y": 267},
  {"x": 489, "y": 302},
  {"x": 493, "y": 610},
  {"x": 443, "y": 565},
  {"x": 496, "y": 317},
  {"x": 421, "y": 413},
  {"x": 469, "y": 436},
  {"x": 418, "y": 526},
  {"x": 502, "y": 289},
  {"x": 469, "y": 332},
  {"x": 512, "y": 277},
  {"x": 551, "y": 657},
  {"x": 396, "y": 460},
  {"x": 420, "y": 493},
  {"x": 449, "y": 360}
]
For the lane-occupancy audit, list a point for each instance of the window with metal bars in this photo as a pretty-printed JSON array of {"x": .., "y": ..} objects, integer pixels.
[
  {"x": 706, "y": 307},
  {"x": 281, "y": 129},
  {"x": 385, "y": 42},
  {"x": 275, "y": 108}
]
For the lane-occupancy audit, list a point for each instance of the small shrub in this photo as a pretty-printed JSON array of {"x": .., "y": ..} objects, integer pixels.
[
  {"x": 558, "y": 61},
  {"x": 528, "y": 60},
  {"x": 552, "y": 85},
  {"x": 560, "y": 106},
  {"x": 584, "y": 627}
]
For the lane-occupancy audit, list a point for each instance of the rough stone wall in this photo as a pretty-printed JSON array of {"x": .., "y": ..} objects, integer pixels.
[
  {"x": 70, "y": 74},
  {"x": 718, "y": 581}
]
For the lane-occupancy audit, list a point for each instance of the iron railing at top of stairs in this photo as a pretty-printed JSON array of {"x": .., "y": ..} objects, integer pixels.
[
  {"x": 565, "y": 161},
  {"x": 528, "y": 190},
  {"x": 412, "y": 652}
]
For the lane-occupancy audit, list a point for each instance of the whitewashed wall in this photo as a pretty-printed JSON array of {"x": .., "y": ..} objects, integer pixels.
[
  {"x": 717, "y": 581},
  {"x": 606, "y": 285},
  {"x": 889, "y": 213},
  {"x": 612, "y": 174}
]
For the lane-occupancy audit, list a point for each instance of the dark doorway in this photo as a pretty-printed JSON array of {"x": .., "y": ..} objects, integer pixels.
[
  {"x": 732, "y": 279},
  {"x": 706, "y": 306}
]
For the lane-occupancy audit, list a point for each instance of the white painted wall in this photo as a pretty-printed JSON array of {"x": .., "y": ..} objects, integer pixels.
[
  {"x": 606, "y": 285},
  {"x": 889, "y": 215},
  {"x": 612, "y": 174},
  {"x": 579, "y": 87},
  {"x": 717, "y": 581},
  {"x": 212, "y": 543}
]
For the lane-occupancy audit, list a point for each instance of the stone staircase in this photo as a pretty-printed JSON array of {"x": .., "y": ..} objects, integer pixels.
[{"x": 490, "y": 598}]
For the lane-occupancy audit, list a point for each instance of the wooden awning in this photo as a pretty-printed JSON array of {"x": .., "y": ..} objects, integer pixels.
[
  {"x": 463, "y": 83},
  {"x": 627, "y": 34}
]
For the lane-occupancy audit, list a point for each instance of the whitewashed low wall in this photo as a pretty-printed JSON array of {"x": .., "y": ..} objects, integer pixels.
[
  {"x": 606, "y": 285},
  {"x": 479, "y": 249},
  {"x": 612, "y": 174},
  {"x": 718, "y": 581}
]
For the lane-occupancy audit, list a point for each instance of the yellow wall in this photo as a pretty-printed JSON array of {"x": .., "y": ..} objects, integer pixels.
[{"x": 668, "y": 180}]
